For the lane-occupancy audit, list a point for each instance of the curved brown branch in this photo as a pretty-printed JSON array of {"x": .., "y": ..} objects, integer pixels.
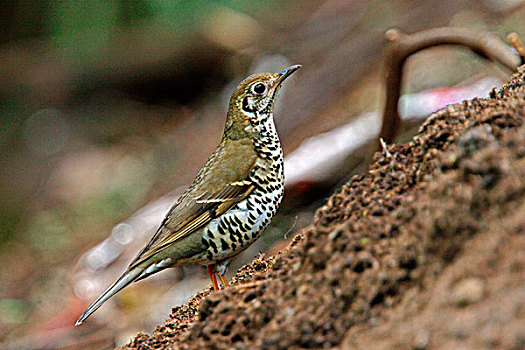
[
  {"x": 401, "y": 46},
  {"x": 514, "y": 40}
]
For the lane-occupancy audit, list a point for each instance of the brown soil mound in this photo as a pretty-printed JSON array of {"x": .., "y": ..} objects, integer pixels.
[{"x": 426, "y": 250}]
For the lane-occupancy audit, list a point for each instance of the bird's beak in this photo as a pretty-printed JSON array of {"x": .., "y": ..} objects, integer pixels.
[{"x": 285, "y": 73}]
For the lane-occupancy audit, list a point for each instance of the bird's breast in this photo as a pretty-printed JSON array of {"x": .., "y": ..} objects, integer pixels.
[{"x": 232, "y": 232}]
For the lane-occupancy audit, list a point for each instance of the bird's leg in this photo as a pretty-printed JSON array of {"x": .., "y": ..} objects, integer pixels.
[
  {"x": 220, "y": 269},
  {"x": 224, "y": 280},
  {"x": 213, "y": 277}
]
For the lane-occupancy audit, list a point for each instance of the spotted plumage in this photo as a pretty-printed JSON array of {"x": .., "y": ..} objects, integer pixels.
[{"x": 232, "y": 199}]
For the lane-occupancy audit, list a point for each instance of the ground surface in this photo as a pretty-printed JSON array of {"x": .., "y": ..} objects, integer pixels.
[{"x": 424, "y": 251}]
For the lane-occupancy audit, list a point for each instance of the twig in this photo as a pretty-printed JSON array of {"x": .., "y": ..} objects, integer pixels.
[
  {"x": 401, "y": 46},
  {"x": 514, "y": 40},
  {"x": 385, "y": 148},
  {"x": 291, "y": 227},
  {"x": 248, "y": 285}
]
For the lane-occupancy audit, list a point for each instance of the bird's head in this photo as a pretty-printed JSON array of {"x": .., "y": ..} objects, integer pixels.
[{"x": 253, "y": 101}]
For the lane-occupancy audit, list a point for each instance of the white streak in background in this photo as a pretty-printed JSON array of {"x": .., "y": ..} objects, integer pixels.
[
  {"x": 103, "y": 254},
  {"x": 91, "y": 278},
  {"x": 319, "y": 156},
  {"x": 122, "y": 233},
  {"x": 423, "y": 103}
]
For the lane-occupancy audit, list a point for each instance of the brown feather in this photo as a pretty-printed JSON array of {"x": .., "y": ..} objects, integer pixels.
[{"x": 209, "y": 196}]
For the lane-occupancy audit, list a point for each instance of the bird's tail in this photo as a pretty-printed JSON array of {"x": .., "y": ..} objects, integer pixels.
[{"x": 124, "y": 280}]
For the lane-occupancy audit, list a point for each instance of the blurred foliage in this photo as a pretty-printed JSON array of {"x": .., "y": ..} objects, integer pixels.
[{"x": 83, "y": 32}]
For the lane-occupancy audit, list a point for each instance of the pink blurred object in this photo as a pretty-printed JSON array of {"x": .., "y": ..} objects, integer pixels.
[{"x": 319, "y": 157}]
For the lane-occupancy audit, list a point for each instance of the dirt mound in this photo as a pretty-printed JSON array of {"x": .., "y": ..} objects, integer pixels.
[
  {"x": 425, "y": 250},
  {"x": 470, "y": 229}
]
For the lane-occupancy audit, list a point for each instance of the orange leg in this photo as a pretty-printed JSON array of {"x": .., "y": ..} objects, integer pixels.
[
  {"x": 224, "y": 281},
  {"x": 213, "y": 277}
]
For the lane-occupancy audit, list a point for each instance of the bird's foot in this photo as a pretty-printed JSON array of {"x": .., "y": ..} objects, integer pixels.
[{"x": 224, "y": 281}]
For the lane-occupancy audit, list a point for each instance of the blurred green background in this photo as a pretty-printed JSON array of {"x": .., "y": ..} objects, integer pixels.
[
  {"x": 61, "y": 54},
  {"x": 108, "y": 105}
]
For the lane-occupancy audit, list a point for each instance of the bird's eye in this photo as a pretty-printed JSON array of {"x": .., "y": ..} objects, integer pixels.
[{"x": 259, "y": 88}]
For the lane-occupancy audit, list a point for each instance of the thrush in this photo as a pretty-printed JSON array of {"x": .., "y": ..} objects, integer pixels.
[{"x": 232, "y": 199}]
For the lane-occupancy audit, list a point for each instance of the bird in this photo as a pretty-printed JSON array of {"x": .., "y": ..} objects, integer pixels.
[{"x": 232, "y": 199}]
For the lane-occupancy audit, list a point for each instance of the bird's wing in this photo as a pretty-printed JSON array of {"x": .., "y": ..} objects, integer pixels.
[{"x": 191, "y": 213}]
